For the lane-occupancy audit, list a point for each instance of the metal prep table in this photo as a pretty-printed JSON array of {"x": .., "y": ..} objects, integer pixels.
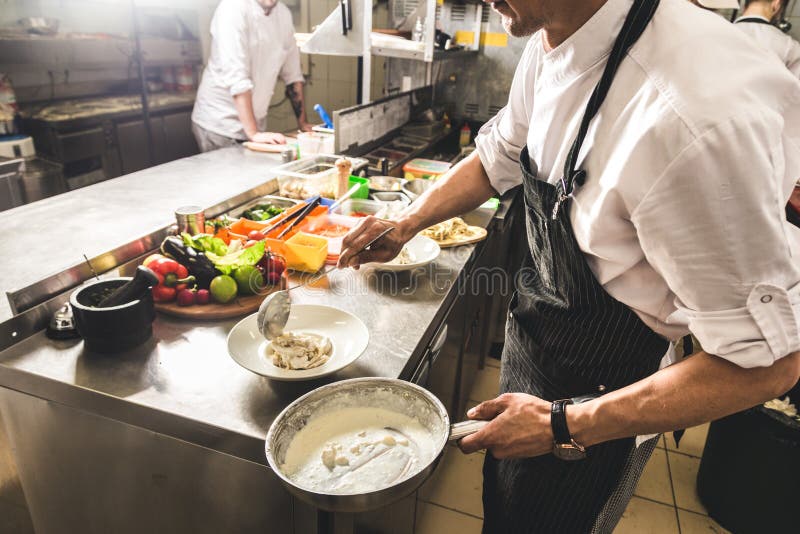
[{"x": 169, "y": 437}]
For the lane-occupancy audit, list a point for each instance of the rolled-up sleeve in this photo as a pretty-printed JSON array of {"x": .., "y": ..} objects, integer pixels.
[
  {"x": 500, "y": 141},
  {"x": 714, "y": 226},
  {"x": 229, "y": 32}
]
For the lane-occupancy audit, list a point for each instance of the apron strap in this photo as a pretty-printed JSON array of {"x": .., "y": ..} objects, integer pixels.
[{"x": 638, "y": 17}]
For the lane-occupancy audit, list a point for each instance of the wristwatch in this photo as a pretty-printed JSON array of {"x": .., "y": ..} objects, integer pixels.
[{"x": 564, "y": 447}]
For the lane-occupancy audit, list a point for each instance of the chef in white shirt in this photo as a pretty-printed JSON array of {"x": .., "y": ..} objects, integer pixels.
[
  {"x": 252, "y": 44},
  {"x": 758, "y": 21},
  {"x": 654, "y": 209}
]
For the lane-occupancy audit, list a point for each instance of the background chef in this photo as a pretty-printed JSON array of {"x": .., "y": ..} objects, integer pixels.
[
  {"x": 674, "y": 223},
  {"x": 252, "y": 44},
  {"x": 759, "y": 20}
]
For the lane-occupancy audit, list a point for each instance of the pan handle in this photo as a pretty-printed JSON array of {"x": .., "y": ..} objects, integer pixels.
[{"x": 465, "y": 428}]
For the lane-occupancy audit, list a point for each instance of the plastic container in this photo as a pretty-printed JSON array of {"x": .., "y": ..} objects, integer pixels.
[
  {"x": 425, "y": 168},
  {"x": 322, "y": 227},
  {"x": 306, "y": 252},
  {"x": 311, "y": 176},
  {"x": 312, "y": 143},
  {"x": 361, "y": 208}
]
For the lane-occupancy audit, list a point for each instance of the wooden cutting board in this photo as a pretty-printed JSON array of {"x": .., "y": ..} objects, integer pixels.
[
  {"x": 264, "y": 147},
  {"x": 477, "y": 234},
  {"x": 214, "y": 311}
]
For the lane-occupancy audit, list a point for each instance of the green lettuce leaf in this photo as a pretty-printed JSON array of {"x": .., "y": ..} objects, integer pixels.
[{"x": 227, "y": 263}]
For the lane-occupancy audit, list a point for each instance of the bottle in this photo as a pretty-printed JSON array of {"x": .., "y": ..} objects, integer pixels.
[
  {"x": 465, "y": 136},
  {"x": 416, "y": 35}
]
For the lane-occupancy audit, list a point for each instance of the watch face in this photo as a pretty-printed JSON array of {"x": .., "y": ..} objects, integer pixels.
[{"x": 568, "y": 452}]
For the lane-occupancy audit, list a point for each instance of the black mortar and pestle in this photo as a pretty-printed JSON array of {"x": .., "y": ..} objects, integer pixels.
[{"x": 115, "y": 314}]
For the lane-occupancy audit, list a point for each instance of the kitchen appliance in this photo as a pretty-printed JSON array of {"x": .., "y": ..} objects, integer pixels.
[
  {"x": 17, "y": 146},
  {"x": 27, "y": 180},
  {"x": 382, "y": 393}
]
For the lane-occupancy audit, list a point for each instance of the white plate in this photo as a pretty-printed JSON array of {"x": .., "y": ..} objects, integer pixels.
[
  {"x": 423, "y": 249},
  {"x": 348, "y": 334}
]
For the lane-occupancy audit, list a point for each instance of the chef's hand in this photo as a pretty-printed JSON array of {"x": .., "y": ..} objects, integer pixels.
[
  {"x": 305, "y": 127},
  {"x": 365, "y": 231},
  {"x": 519, "y": 427},
  {"x": 270, "y": 138}
]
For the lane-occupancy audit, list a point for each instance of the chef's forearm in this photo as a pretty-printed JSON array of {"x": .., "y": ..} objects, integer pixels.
[
  {"x": 465, "y": 187},
  {"x": 699, "y": 389},
  {"x": 294, "y": 92},
  {"x": 244, "y": 108}
]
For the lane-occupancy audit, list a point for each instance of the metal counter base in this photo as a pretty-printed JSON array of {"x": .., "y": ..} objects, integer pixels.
[{"x": 91, "y": 475}]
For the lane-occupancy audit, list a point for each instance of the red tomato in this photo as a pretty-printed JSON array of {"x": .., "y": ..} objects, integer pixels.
[{"x": 255, "y": 235}]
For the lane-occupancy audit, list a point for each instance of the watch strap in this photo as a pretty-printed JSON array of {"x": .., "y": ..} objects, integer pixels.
[{"x": 558, "y": 421}]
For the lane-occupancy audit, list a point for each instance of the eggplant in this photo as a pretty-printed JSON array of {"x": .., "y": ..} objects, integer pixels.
[{"x": 195, "y": 261}]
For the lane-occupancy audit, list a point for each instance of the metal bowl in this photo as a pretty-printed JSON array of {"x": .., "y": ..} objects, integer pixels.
[
  {"x": 386, "y": 184},
  {"x": 415, "y": 188},
  {"x": 397, "y": 395}
]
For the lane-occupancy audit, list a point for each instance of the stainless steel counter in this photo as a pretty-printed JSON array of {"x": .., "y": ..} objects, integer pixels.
[
  {"x": 182, "y": 386},
  {"x": 51, "y": 235},
  {"x": 183, "y": 383}
]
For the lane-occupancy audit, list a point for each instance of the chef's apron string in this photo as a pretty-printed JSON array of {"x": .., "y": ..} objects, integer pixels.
[{"x": 635, "y": 23}]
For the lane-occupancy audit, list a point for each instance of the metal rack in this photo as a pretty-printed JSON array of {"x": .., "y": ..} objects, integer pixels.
[{"x": 347, "y": 31}]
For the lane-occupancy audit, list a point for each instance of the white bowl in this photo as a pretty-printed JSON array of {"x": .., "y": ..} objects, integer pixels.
[
  {"x": 423, "y": 250},
  {"x": 348, "y": 334}
]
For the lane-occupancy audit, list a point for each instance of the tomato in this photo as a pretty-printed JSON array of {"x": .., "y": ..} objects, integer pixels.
[{"x": 255, "y": 235}]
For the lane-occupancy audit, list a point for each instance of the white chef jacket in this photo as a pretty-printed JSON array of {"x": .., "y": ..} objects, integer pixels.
[
  {"x": 249, "y": 50},
  {"x": 774, "y": 40},
  {"x": 690, "y": 162}
]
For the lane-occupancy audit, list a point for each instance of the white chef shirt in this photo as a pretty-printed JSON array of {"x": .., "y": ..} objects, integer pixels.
[
  {"x": 774, "y": 40},
  {"x": 249, "y": 50},
  {"x": 690, "y": 162}
]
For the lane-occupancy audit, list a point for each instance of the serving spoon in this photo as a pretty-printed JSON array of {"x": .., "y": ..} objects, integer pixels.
[{"x": 273, "y": 314}]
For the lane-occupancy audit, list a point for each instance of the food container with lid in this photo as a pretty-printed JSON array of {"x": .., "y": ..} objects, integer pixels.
[
  {"x": 311, "y": 176},
  {"x": 361, "y": 208},
  {"x": 425, "y": 168}
]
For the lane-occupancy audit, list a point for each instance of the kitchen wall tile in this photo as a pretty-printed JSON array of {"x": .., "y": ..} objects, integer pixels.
[
  {"x": 341, "y": 95},
  {"x": 684, "y": 481},
  {"x": 457, "y": 483},
  {"x": 692, "y": 442},
  {"x": 655, "y": 483},
  {"x": 487, "y": 384},
  {"x": 643, "y": 516},
  {"x": 319, "y": 68},
  {"x": 692, "y": 523},
  {"x": 432, "y": 519},
  {"x": 342, "y": 69}
]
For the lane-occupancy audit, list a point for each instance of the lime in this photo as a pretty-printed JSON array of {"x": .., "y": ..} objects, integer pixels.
[
  {"x": 223, "y": 288},
  {"x": 249, "y": 279}
]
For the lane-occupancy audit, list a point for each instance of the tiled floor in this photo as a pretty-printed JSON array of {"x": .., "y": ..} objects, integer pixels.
[{"x": 665, "y": 500}]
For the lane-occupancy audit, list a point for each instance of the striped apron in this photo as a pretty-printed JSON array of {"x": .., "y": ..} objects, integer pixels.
[{"x": 567, "y": 337}]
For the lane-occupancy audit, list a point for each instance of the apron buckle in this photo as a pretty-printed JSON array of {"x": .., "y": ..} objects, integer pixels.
[{"x": 561, "y": 198}]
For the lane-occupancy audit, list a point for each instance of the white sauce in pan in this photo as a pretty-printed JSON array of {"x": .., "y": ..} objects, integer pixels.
[{"x": 358, "y": 450}]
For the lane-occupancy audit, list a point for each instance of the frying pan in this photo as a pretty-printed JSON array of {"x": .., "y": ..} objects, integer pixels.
[{"x": 386, "y": 393}]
